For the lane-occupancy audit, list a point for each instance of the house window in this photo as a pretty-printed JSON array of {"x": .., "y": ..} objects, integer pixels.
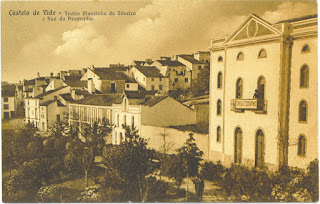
[
  {"x": 176, "y": 80},
  {"x": 58, "y": 118},
  {"x": 152, "y": 87},
  {"x": 239, "y": 85},
  {"x": 304, "y": 76},
  {"x": 128, "y": 85},
  {"x": 207, "y": 61},
  {"x": 121, "y": 137},
  {"x": 152, "y": 79},
  {"x": 6, "y": 106},
  {"x": 118, "y": 118},
  {"x": 238, "y": 145},
  {"x": 199, "y": 67},
  {"x": 125, "y": 120},
  {"x": 186, "y": 80},
  {"x": 262, "y": 54},
  {"x": 302, "y": 145},
  {"x": 305, "y": 49},
  {"x": 132, "y": 122},
  {"x": 160, "y": 87},
  {"x": 218, "y": 134},
  {"x": 261, "y": 87},
  {"x": 219, "y": 85},
  {"x": 303, "y": 109},
  {"x": 100, "y": 114},
  {"x": 88, "y": 114},
  {"x": 219, "y": 107},
  {"x": 5, "y": 99},
  {"x": 113, "y": 87},
  {"x": 240, "y": 56},
  {"x": 220, "y": 59},
  {"x": 259, "y": 152}
]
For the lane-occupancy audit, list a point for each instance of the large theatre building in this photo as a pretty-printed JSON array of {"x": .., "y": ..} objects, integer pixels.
[{"x": 264, "y": 94}]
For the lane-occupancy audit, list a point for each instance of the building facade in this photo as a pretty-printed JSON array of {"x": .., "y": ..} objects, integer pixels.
[{"x": 263, "y": 94}]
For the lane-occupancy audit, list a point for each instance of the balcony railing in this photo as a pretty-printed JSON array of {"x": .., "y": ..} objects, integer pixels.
[{"x": 257, "y": 105}]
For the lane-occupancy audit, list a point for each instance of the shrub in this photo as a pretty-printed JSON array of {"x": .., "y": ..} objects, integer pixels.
[
  {"x": 311, "y": 180},
  {"x": 251, "y": 184},
  {"x": 91, "y": 194},
  {"x": 212, "y": 172}
]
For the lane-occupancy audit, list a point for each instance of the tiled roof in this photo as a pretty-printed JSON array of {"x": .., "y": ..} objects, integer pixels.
[
  {"x": 149, "y": 71},
  {"x": 29, "y": 82},
  {"x": 100, "y": 99},
  {"x": 46, "y": 103},
  {"x": 107, "y": 73},
  {"x": 190, "y": 59},
  {"x": 82, "y": 92},
  {"x": 170, "y": 63},
  {"x": 139, "y": 94},
  {"x": 49, "y": 92},
  {"x": 128, "y": 79},
  {"x": 8, "y": 90},
  {"x": 72, "y": 77},
  {"x": 138, "y": 63},
  {"x": 66, "y": 96},
  {"x": 299, "y": 19},
  {"x": 75, "y": 83},
  {"x": 154, "y": 100}
]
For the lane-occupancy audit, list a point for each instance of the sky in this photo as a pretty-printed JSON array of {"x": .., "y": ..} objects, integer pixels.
[{"x": 159, "y": 28}]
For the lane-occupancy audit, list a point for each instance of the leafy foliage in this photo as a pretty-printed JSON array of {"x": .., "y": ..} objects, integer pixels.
[
  {"x": 133, "y": 166},
  {"x": 212, "y": 172}
]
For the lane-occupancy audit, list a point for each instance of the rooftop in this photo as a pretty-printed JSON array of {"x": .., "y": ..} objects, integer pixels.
[
  {"x": 8, "y": 90},
  {"x": 139, "y": 94},
  {"x": 149, "y": 71},
  {"x": 170, "y": 63},
  {"x": 49, "y": 92},
  {"x": 100, "y": 99},
  {"x": 46, "y": 103},
  {"x": 107, "y": 73},
  {"x": 75, "y": 83},
  {"x": 190, "y": 59},
  {"x": 154, "y": 100},
  {"x": 299, "y": 18},
  {"x": 66, "y": 97}
]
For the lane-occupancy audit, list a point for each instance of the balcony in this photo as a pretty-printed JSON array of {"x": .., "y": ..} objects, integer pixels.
[{"x": 256, "y": 105}]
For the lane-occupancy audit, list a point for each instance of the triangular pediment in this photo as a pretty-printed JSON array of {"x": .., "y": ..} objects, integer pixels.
[{"x": 253, "y": 27}]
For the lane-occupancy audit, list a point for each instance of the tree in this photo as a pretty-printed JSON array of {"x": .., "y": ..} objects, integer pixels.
[
  {"x": 93, "y": 136},
  {"x": 133, "y": 165},
  {"x": 190, "y": 154},
  {"x": 201, "y": 85}
]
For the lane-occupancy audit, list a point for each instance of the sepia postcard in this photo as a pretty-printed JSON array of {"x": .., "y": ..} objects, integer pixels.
[{"x": 159, "y": 101}]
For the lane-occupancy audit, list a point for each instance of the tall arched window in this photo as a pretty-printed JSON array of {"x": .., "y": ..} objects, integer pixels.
[
  {"x": 240, "y": 56},
  {"x": 125, "y": 120},
  {"x": 220, "y": 59},
  {"x": 304, "y": 76},
  {"x": 262, "y": 54},
  {"x": 219, "y": 107},
  {"x": 118, "y": 120},
  {"x": 239, "y": 87},
  {"x": 261, "y": 87},
  {"x": 303, "y": 110},
  {"x": 218, "y": 134},
  {"x": 305, "y": 48},
  {"x": 132, "y": 122},
  {"x": 302, "y": 145},
  {"x": 259, "y": 155},
  {"x": 219, "y": 85},
  {"x": 238, "y": 145}
]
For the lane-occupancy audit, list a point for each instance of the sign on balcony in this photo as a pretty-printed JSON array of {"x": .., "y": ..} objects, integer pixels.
[{"x": 246, "y": 104}]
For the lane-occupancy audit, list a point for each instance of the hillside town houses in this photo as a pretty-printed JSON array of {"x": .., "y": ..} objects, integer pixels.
[{"x": 261, "y": 110}]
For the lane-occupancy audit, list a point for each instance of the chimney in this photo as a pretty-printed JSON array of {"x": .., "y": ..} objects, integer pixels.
[
  {"x": 92, "y": 67},
  {"x": 51, "y": 75},
  {"x": 59, "y": 75},
  {"x": 73, "y": 94},
  {"x": 91, "y": 88},
  {"x": 38, "y": 74}
]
